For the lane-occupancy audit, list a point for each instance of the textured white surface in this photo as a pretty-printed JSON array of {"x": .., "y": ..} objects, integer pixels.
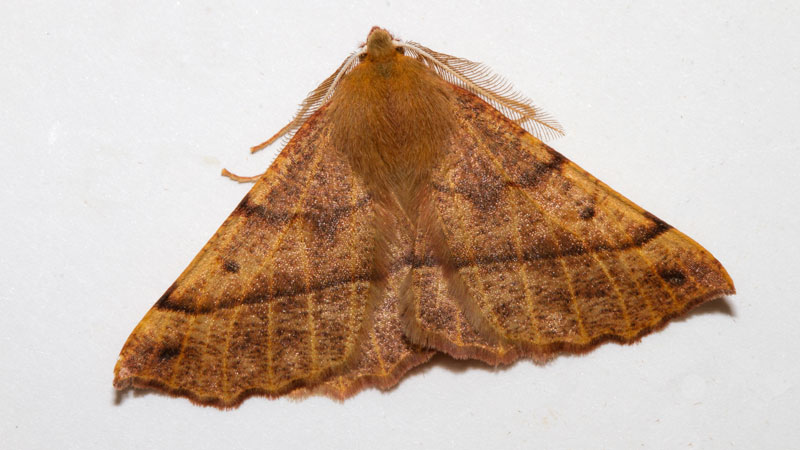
[{"x": 116, "y": 120}]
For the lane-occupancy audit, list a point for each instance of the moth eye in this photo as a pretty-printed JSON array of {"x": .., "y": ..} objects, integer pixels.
[
  {"x": 361, "y": 56},
  {"x": 400, "y": 50}
]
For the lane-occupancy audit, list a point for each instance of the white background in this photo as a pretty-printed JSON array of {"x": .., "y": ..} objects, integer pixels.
[{"x": 115, "y": 121}]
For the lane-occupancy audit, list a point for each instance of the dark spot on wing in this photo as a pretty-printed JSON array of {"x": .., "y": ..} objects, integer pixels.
[
  {"x": 587, "y": 212},
  {"x": 673, "y": 276},
  {"x": 230, "y": 266},
  {"x": 167, "y": 353}
]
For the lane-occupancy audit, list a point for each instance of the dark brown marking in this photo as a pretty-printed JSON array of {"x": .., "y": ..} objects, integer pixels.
[
  {"x": 258, "y": 296},
  {"x": 244, "y": 203},
  {"x": 296, "y": 289},
  {"x": 503, "y": 311},
  {"x": 660, "y": 224},
  {"x": 528, "y": 180},
  {"x": 167, "y": 353},
  {"x": 533, "y": 177},
  {"x": 250, "y": 210},
  {"x": 324, "y": 220},
  {"x": 164, "y": 300},
  {"x": 230, "y": 266},
  {"x": 587, "y": 212},
  {"x": 552, "y": 252},
  {"x": 673, "y": 276},
  {"x": 482, "y": 196}
]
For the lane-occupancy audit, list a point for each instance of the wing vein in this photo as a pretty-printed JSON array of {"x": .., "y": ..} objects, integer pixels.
[
  {"x": 522, "y": 272},
  {"x": 641, "y": 254},
  {"x": 550, "y": 224}
]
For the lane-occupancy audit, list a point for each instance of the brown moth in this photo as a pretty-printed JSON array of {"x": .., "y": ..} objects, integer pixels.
[{"x": 411, "y": 212}]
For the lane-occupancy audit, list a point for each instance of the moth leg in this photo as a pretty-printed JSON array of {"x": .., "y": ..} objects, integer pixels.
[
  {"x": 241, "y": 179},
  {"x": 261, "y": 146},
  {"x": 274, "y": 138}
]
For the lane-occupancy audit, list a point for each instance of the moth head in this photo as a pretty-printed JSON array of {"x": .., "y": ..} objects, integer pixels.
[{"x": 381, "y": 45}]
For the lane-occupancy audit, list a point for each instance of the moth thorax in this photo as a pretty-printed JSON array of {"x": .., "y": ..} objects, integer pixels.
[{"x": 392, "y": 120}]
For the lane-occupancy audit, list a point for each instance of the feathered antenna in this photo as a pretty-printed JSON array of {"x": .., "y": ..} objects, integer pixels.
[
  {"x": 481, "y": 81},
  {"x": 314, "y": 101}
]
